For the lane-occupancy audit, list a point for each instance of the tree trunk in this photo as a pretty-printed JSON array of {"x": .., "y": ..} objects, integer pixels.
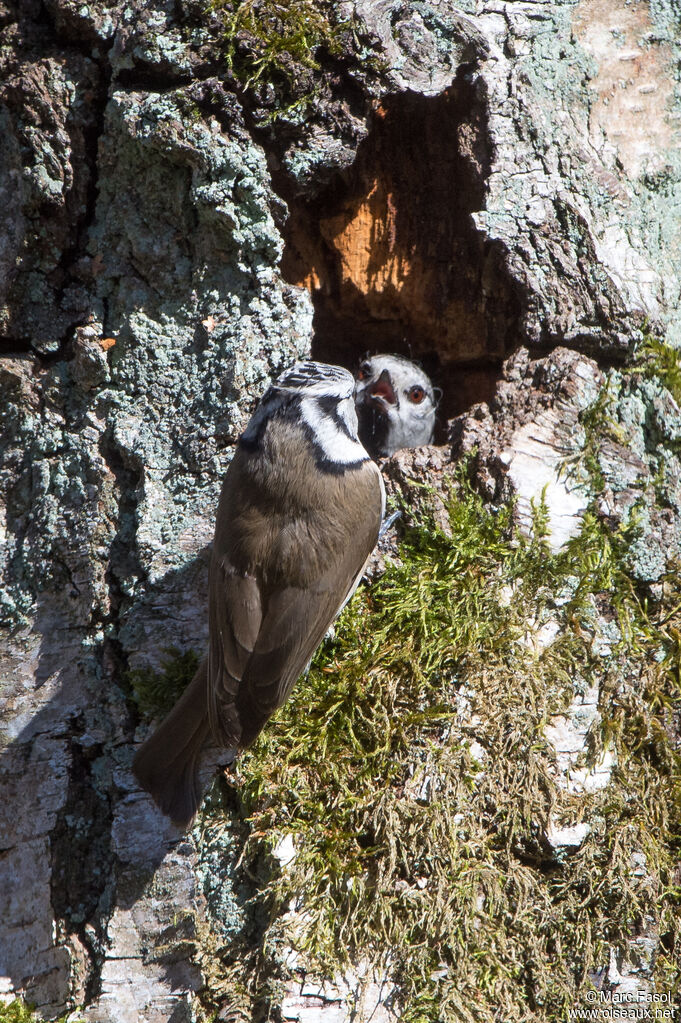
[{"x": 494, "y": 191}]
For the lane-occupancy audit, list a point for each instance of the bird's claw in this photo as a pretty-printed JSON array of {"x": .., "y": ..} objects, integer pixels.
[{"x": 387, "y": 523}]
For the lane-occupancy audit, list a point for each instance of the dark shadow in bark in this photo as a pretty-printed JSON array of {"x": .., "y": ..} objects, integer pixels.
[{"x": 79, "y": 839}]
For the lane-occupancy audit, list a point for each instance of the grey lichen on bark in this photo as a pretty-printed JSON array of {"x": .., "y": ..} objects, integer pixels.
[{"x": 172, "y": 237}]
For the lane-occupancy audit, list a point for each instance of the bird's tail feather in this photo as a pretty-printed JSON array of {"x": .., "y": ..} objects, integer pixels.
[{"x": 167, "y": 764}]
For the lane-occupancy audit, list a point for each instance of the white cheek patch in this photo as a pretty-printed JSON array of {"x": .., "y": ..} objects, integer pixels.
[
  {"x": 348, "y": 413},
  {"x": 413, "y": 428},
  {"x": 333, "y": 442}
]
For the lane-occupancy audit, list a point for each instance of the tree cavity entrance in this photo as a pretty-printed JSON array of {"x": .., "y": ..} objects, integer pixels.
[{"x": 391, "y": 253}]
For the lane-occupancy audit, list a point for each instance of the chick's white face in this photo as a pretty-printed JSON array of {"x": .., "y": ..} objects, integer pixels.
[{"x": 395, "y": 404}]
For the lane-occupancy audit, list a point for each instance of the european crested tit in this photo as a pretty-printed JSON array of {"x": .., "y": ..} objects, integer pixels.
[{"x": 300, "y": 513}]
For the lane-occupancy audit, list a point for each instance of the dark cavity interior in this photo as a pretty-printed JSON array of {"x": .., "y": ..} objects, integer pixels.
[{"x": 393, "y": 258}]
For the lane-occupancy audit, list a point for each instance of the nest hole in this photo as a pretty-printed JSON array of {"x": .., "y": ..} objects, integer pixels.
[{"x": 392, "y": 254}]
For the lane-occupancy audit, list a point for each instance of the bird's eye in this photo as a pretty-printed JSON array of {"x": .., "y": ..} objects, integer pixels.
[
  {"x": 416, "y": 394},
  {"x": 364, "y": 371}
]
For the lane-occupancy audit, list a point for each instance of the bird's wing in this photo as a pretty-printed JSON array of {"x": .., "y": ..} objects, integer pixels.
[
  {"x": 263, "y": 633},
  {"x": 235, "y": 618},
  {"x": 262, "y": 640},
  {"x": 294, "y": 625},
  {"x": 256, "y": 654}
]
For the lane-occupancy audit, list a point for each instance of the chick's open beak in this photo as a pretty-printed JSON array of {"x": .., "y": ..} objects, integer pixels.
[{"x": 383, "y": 391}]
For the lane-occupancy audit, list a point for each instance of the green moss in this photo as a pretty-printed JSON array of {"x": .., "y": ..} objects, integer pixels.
[
  {"x": 155, "y": 693},
  {"x": 16, "y": 1012},
  {"x": 19, "y": 1012},
  {"x": 411, "y": 769},
  {"x": 267, "y": 40},
  {"x": 659, "y": 360},
  {"x": 599, "y": 423}
]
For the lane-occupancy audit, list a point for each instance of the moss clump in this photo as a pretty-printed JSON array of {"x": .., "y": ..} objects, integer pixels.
[
  {"x": 19, "y": 1012},
  {"x": 599, "y": 423},
  {"x": 657, "y": 359},
  {"x": 412, "y": 773},
  {"x": 16, "y": 1012},
  {"x": 272, "y": 41},
  {"x": 155, "y": 693}
]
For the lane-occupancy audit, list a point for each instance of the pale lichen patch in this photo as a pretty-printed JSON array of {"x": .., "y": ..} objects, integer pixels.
[{"x": 633, "y": 85}]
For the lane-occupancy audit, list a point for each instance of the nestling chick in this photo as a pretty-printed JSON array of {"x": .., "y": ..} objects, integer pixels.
[
  {"x": 300, "y": 513},
  {"x": 395, "y": 405}
]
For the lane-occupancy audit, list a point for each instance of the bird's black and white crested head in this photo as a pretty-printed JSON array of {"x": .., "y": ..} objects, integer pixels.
[
  {"x": 316, "y": 378},
  {"x": 395, "y": 403},
  {"x": 320, "y": 399}
]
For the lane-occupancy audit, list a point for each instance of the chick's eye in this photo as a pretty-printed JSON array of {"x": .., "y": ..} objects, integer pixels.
[
  {"x": 416, "y": 394},
  {"x": 363, "y": 372}
]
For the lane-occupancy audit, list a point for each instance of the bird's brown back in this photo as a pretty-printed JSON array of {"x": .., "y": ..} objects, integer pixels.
[{"x": 290, "y": 541}]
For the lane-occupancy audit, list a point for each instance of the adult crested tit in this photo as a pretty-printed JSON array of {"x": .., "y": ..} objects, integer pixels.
[
  {"x": 300, "y": 513},
  {"x": 395, "y": 404}
]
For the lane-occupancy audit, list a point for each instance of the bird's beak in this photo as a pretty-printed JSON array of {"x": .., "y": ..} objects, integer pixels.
[{"x": 382, "y": 392}]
